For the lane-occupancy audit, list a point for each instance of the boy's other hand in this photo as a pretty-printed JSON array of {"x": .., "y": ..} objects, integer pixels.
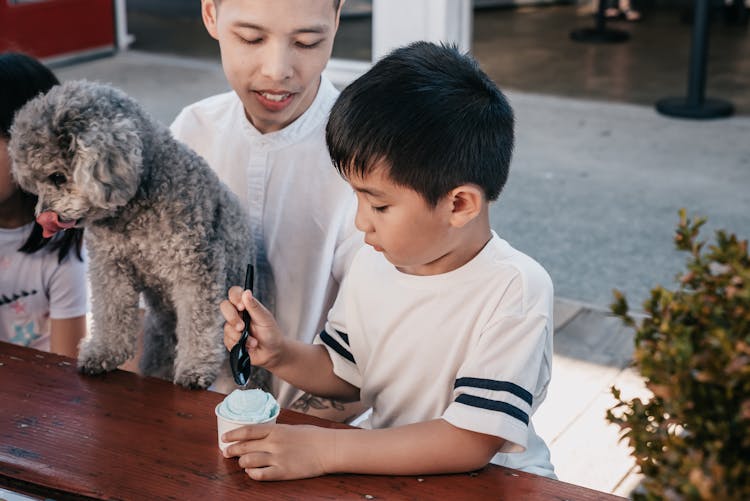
[
  {"x": 281, "y": 452},
  {"x": 265, "y": 343}
]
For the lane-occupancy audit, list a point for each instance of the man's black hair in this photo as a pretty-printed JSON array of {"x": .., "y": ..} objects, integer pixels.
[
  {"x": 336, "y": 4},
  {"x": 432, "y": 115},
  {"x": 22, "y": 78}
]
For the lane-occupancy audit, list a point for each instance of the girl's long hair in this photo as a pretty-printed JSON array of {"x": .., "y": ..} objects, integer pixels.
[{"x": 22, "y": 78}]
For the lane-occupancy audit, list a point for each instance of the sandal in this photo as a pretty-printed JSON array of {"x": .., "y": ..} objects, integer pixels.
[
  {"x": 631, "y": 15},
  {"x": 612, "y": 13}
]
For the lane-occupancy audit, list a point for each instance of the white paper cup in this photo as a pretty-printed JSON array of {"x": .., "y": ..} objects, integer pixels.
[{"x": 224, "y": 425}]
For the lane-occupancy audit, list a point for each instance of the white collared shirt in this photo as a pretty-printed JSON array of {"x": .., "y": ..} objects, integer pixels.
[{"x": 301, "y": 211}]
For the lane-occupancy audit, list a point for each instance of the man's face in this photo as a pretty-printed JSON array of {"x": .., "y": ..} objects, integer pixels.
[{"x": 273, "y": 53}]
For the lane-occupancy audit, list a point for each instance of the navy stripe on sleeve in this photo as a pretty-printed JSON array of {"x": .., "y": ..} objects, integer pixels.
[
  {"x": 491, "y": 384},
  {"x": 345, "y": 337},
  {"x": 335, "y": 346},
  {"x": 493, "y": 405}
]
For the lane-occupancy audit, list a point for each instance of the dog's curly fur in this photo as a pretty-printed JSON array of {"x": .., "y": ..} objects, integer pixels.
[{"x": 159, "y": 222}]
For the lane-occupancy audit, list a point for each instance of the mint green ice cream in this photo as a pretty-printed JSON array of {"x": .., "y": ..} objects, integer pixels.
[{"x": 248, "y": 406}]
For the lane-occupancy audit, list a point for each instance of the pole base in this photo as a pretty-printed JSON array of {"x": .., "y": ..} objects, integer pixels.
[
  {"x": 709, "y": 108},
  {"x": 595, "y": 35}
]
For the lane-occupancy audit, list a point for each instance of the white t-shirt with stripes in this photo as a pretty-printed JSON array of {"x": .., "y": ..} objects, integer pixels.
[{"x": 473, "y": 346}]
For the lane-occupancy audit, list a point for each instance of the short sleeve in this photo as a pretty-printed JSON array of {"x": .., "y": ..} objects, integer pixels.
[
  {"x": 68, "y": 288},
  {"x": 496, "y": 385},
  {"x": 335, "y": 338}
]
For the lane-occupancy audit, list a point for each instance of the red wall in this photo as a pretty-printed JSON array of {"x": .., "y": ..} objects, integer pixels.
[{"x": 54, "y": 27}]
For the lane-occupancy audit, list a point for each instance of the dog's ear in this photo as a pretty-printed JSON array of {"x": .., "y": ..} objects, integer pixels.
[{"x": 108, "y": 162}]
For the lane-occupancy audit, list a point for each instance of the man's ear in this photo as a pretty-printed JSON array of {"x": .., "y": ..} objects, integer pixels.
[
  {"x": 209, "y": 13},
  {"x": 467, "y": 202}
]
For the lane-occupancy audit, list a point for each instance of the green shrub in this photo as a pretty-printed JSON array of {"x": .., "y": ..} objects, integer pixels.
[{"x": 691, "y": 439}]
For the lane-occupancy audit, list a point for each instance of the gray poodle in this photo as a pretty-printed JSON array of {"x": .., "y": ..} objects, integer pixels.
[{"x": 159, "y": 223}]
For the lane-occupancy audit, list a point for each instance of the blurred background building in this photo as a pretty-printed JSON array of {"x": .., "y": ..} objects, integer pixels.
[{"x": 523, "y": 44}]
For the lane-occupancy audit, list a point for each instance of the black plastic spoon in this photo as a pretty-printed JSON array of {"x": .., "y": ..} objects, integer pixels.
[{"x": 239, "y": 358}]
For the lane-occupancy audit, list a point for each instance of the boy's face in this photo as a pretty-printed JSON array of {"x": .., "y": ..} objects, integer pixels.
[
  {"x": 273, "y": 53},
  {"x": 415, "y": 237}
]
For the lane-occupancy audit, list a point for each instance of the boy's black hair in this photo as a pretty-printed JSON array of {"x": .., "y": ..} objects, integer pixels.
[
  {"x": 432, "y": 115},
  {"x": 22, "y": 78}
]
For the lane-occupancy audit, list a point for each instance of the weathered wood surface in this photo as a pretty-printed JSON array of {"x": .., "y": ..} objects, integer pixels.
[{"x": 122, "y": 436}]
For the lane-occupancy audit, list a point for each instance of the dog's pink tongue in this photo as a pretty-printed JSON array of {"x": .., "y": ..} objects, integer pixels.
[{"x": 51, "y": 224}]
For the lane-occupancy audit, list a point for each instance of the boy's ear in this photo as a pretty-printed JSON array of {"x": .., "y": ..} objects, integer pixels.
[
  {"x": 208, "y": 11},
  {"x": 467, "y": 202}
]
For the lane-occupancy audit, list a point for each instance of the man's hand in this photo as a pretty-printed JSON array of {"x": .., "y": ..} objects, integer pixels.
[{"x": 281, "y": 452}]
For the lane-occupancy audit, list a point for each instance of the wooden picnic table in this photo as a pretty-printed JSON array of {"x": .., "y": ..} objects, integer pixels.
[{"x": 64, "y": 435}]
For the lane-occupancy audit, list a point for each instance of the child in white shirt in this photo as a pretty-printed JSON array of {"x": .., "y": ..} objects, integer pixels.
[
  {"x": 440, "y": 325},
  {"x": 42, "y": 281}
]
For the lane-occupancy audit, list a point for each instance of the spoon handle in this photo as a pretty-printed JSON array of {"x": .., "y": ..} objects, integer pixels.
[{"x": 249, "y": 277}]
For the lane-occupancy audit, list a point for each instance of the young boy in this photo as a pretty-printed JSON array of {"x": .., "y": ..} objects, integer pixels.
[
  {"x": 266, "y": 141},
  {"x": 440, "y": 325}
]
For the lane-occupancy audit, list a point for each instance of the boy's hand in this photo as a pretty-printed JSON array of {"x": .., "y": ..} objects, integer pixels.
[
  {"x": 281, "y": 452},
  {"x": 265, "y": 343}
]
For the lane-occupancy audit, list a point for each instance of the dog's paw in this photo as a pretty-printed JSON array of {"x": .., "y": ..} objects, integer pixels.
[
  {"x": 93, "y": 361},
  {"x": 95, "y": 366},
  {"x": 194, "y": 379}
]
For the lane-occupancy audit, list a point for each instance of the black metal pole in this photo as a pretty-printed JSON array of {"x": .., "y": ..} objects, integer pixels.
[
  {"x": 601, "y": 17},
  {"x": 698, "y": 52},
  {"x": 695, "y": 105}
]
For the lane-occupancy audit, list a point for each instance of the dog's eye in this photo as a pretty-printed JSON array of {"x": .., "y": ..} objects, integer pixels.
[{"x": 57, "y": 178}]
